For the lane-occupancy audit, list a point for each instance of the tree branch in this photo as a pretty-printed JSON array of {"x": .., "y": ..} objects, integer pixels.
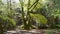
[{"x": 33, "y": 4}]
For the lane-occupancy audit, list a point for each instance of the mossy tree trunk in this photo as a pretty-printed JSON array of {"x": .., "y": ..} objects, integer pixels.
[{"x": 28, "y": 17}]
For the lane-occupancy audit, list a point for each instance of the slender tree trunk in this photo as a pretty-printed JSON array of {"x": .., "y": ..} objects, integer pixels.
[
  {"x": 24, "y": 20},
  {"x": 28, "y": 16}
]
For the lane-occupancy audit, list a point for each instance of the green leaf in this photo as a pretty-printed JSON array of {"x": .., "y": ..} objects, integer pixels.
[{"x": 40, "y": 18}]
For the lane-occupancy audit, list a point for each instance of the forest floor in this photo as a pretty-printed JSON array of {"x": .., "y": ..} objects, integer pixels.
[{"x": 34, "y": 31}]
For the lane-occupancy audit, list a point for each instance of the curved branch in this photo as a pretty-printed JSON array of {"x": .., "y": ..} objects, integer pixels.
[{"x": 33, "y": 4}]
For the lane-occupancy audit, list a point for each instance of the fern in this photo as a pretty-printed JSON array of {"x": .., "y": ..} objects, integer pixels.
[{"x": 40, "y": 18}]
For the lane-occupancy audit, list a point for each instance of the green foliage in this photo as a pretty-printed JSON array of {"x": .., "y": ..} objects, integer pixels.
[
  {"x": 53, "y": 8},
  {"x": 6, "y": 22},
  {"x": 8, "y": 14},
  {"x": 31, "y": 6},
  {"x": 40, "y": 18}
]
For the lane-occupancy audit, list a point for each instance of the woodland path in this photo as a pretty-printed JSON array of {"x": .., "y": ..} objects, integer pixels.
[{"x": 34, "y": 31}]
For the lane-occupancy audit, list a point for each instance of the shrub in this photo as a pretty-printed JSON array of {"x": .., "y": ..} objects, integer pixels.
[{"x": 6, "y": 22}]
